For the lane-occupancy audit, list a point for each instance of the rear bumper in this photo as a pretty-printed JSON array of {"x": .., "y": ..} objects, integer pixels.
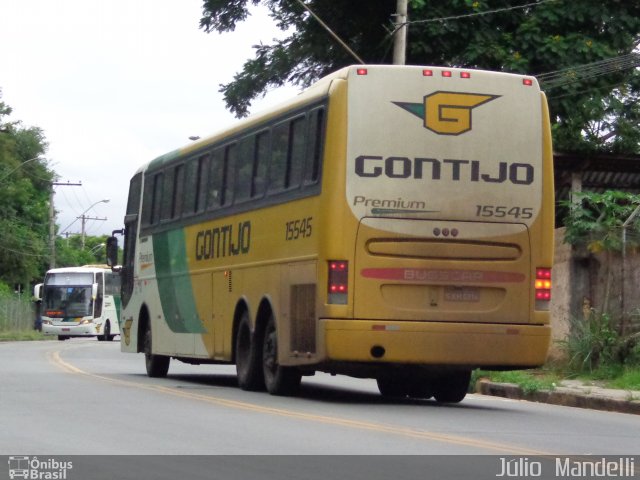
[
  {"x": 71, "y": 330},
  {"x": 436, "y": 343}
]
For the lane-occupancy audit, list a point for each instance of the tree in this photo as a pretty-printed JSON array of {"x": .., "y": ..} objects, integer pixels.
[
  {"x": 25, "y": 180},
  {"x": 589, "y": 112},
  {"x": 69, "y": 252}
]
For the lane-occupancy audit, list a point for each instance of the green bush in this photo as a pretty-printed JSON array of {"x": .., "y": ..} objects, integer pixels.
[{"x": 592, "y": 343}]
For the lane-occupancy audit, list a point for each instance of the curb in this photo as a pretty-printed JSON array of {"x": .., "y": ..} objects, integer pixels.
[{"x": 568, "y": 397}]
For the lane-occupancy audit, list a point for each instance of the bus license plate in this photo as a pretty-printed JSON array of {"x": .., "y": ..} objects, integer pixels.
[{"x": 463, "y": 294}]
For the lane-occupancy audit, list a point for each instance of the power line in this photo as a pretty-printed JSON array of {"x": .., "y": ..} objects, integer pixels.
[
  {"x": 331, "y": 32},
  {"x": 477, "y": 14},
  {"x": 559, "y": 78}
]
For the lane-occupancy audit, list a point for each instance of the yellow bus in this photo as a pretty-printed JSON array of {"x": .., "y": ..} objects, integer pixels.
[{"x": 390, "y": 222}]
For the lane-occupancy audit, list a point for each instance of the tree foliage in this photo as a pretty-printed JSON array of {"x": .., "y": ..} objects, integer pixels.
[
  {"x": 25, "y": 183},
  {"x": 25, "y": 187},
  {"x": 595, "y": 220},
  {"x": 596, "y": 112}
]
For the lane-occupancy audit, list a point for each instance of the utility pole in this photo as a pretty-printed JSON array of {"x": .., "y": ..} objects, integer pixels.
[
  {"x": 52, "y": 221},
  {"x": 84, "y": 219},
  {"x": 400, "y": 38}
]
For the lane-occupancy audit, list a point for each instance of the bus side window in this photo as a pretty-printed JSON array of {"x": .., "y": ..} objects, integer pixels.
[
  {"x": 279, "y": 158},
  {"x": 246, "y": 160},
  {"x": 297, "y": 146},
  {"x": 262, "y": 153},
  {"x": 155, "y": 194},
  {"x": 178, "y": 192},
  {"x": 288, "y": 155},
  {"x": 314, "y": 146},
  {"x": 133, "y": 200},
  {"x": 190, "y": 204},
  {"x": 201, "y": 182},
  {"x": 216, "y": 179},
  {"x": 230, "y": 159},
  {"x": 167, "y": 195}
]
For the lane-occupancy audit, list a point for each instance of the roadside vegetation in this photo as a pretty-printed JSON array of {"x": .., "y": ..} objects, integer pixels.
[{"x": 603, "y": 344}]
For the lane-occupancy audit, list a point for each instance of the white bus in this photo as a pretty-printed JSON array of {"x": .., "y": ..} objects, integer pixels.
[{"x": 80, "y": 302}]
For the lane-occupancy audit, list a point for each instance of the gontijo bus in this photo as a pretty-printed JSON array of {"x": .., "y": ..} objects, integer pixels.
[
  {"x": 80, "y": 302},
  {"x": 389, "y": 222}
]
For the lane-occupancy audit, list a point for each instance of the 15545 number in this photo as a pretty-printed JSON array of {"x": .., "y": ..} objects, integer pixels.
[
  {"x": 499, "y": 211},
  {"x": 301, "y": 228}
]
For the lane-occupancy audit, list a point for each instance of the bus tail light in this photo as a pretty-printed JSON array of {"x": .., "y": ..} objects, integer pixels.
[
  {"x": 543, "y": 288},
  {"x": 338, "y": 288}
]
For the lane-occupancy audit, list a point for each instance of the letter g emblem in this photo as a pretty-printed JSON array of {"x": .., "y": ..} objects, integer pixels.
[{"x": 449, "y": 113}]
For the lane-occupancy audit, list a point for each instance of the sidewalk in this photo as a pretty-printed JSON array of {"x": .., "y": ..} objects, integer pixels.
[{"x": 570, "y": 393}]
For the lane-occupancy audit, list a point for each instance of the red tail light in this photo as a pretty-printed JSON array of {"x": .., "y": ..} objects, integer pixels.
[
  {"x": 543, "y": 285},
  {"x": 338, "y": 287}
]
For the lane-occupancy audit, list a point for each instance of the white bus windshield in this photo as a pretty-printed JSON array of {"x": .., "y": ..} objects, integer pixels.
[{"x": 68, "y": 295}]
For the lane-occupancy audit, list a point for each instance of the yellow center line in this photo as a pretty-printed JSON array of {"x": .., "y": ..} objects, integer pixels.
[{"x": 55, "y": 358}]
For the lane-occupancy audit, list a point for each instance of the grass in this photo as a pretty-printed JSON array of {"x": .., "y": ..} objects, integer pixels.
[
  {"x": 628, "y": 380},
  {"x": 22, "y": 335},
  {"x": 623, "y": 378}
]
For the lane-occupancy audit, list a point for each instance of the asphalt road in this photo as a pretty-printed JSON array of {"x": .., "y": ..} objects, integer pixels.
[{"x": 84, "y": 397}]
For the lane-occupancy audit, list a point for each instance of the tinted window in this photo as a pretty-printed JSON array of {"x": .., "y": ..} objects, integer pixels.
[
  {"x": 246, "y": 149},
  {"x": 167, "y": 195},
  {"x": 314, "y": 145},
  {"x": 261, "y": 164},
  {"x": 178, "y": 191}
]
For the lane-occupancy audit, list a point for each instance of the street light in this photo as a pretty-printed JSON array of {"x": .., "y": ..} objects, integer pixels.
[{"x": 19, "y": 166}]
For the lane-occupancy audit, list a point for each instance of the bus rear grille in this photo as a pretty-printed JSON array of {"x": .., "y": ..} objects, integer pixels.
[
  {"x": 303, "y": 314},
  {"x": 428, "y": 249}
]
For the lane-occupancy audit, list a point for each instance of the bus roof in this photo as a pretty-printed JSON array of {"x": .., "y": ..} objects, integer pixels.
[
  {"x": 316, "y": 91},
  {"x": 82, "y": 269}
]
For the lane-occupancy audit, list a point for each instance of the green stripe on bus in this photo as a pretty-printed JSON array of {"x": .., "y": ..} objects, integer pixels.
[{"x": 174, "y": 283}]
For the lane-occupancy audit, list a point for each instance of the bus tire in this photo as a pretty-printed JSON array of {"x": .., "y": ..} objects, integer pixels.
[
  {"x": 247, "y": 352},
  {"x": 157, "y": 365},
  {"x": 452, "y": 388},
  {"x": 278, "y": 379},
  {"x": 62, "y": 337},
  {"x": 107, "y": 333}
]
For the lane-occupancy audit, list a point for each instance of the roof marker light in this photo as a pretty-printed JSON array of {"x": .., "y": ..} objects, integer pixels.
[
  {"x": 427, "y": 73},
  {"x": 465, "y": 75},
  {"x": 527, "y": 82},
  {"x": 446, "y": 73},
  {"x": 362, "y": 71}
]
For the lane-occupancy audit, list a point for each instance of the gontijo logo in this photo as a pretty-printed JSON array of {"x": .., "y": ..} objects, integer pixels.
[{"x": 447, "y": 113}]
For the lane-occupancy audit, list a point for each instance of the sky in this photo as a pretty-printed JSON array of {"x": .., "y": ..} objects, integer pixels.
[{"x": 113, "y": 84}]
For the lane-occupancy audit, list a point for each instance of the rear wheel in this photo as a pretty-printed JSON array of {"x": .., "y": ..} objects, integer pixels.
[
  {"x": 452, "y": 388},
  {"x": 157, "y": 365},
  {"x": 248, "y": 355},
  {"x": 278, "y": 379}
]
